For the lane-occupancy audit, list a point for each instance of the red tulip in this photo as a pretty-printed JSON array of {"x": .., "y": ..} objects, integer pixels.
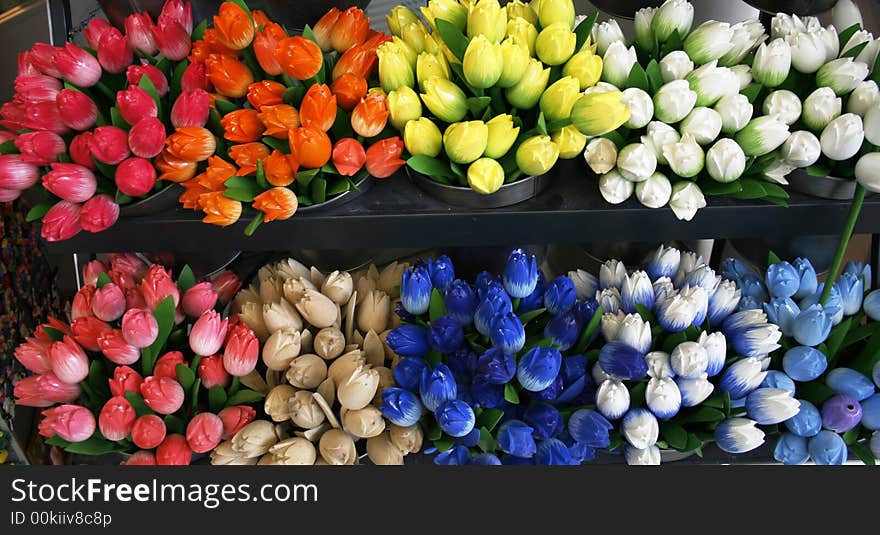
[
  {"x": 135, "y": 177},
  {"x": 108, "y": 303},
  {"x": 36, "y": 87},
  {"x": 139, "y": 328},
  {"x": 125, "y": 380},
  {"x": 44, "y": 116},
  {"x": 383, "y": 157},
  {"x": 192, "y": 108},
  {"x": 99, "y": 213},
  {"x": 162, "y": 394},
  {"x": 77, "y": 110},
  {"x": 9, "y": 195},
  {"x": 14, "y": 115},
  {"x": 86, "y": 331},
  {"x": 114, "y": 51},
  {"x": 92, "y": 270},
  {"x": 82, "y": 302},
  {"x": 80, "y": 153},
  {"x": 227, "y": 285},
  {"x": 195, "y": 77},
  {"x": 109, "y": 144},
  {"x": 173, "y": 451},
  {"x": 157, "y": 285},
  {"x": 81, "y": 68},
  {"x": 349, "y": 156},
  {"x": 199, "y": 299},
  {"x": 17, "y": 174},
  {"x": 72, "y": 182},
  {"x": 61, "y": 222},
  {"x": 148, "y": 431},
  {"x": 135, "y": 104},
  {"x": 129, "y": 264},
  {"x": 116, "y": 419},
  {"x": 172, "y": 39},
  {"x": 73, "y": 423},
  {"x": 139, "y": 30},
  {"x": 69, "y": 362},
  {"x": 235, "y": 418},
  {"x": 146, "y": 139},
  {"x": 178, "y": 11},
  {"x": 44, "y": 390},
  {"x": 41, "y": 147},
  {"x": 166, "y": 366},
  {"x": 135, "y": 73},
  {"x": 208, "y": 334},
  {"x": 42, "y": 56},
  {"x": 212, "y": 373},
  {"x": 95, "y": 30},
  {"x": 204, "y": 431},
  {"x": 242, "y": 351},
  {"x": 142, "y": 458},
  {"x": 34, "y": 355},
  {"x": 114, "y": 346}
]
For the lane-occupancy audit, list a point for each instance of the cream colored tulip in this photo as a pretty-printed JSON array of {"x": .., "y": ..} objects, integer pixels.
[
  {"x": 281, "y": 315},
  {"x": 364, "y": 423},
  {"x": 338, "y": 286},
  {"x": 294, "y": 451},
  {"x": 357, "y": 391},
  {"x": 382, "y": 451},
  {"x": 337, "y": 448},
  {"x": 307, "y": 371},
  {"x": 304, "y": 410},
  {"x": 329, "y": 343},
  {"x": 281, "y": 348}
]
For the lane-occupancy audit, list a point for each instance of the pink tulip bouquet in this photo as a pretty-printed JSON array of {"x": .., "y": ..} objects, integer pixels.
[
  {"x": 87, "y": 125},
  {"x": 146, "y": 365}
]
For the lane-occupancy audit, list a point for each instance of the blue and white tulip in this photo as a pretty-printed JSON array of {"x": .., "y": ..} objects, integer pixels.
[
  {"x": 663, "y": 397},
  {"x": 769, "y": 406},
  {"x": 401, "y": 407},
  {"x": 695, "y": 390},
  {"x": 442, "y": 272},
  {"x": 699, "y": 297},
  {"x": 437, "y": 386},
  {"x": 663, "y": 289},
  {"x": 640, "y": 428},
  {"x": 664, "y": 263},
  {"x": 507, "y": 333},
  {"x": 610, "y": 325},
  {"x": 623, "y": 361},
  {"x": 676, "y": 313},
  {"x": 409, "y": 341},
  {"x": 461, "y": 301},
  {"x": 538, "y": 368},
  {"x": 742, "y": 377},
  {"x": 585, "y": 284},
  {"x": 723, "y": 302},
  {"x": 598, "y": 374},
  {"x": 495, "y": 302},
  {"x": 635, "y": 332},
  {"x": 590, "y": 428},
  {"x": 612, "y": 274},
  {"x": 559, "y": 295},
  {"x": 738, "y": 435},
  {"x": 609, "y": 300},
  {"x": 715, "y": 345},
  {"x": 658, "y": 365},
  {"x": 689, "y": 360},
  {"x": 702, "y": 276},
  {"x": 636, "y": 290},
  {"x": 612, "y": 399},
  {"x": 689, "y": 262},
  {"x": 649, "y": 456},
  {"x": 520, "y": 274},
  {"x": 415, "y": 290}
]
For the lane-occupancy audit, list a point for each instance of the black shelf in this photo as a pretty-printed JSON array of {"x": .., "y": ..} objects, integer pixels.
[{"x": 396, "y": 214}]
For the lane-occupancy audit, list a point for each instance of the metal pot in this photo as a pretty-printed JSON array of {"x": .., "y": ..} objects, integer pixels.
[{"x": 799, "y": 7}]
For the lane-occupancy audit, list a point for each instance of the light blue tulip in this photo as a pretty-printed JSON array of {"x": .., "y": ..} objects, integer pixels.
[
  {"x": 872, "y": 305},
  {"x": 777, "y": 379},
  {"x": 738, "y": 435},
  {"x": 861, "y": 270},
  {"x": 782, "y": 311},
  {"x": 636, "y": 290},
  {"x": 782, "y": 280},
  {"x": 749, "y": 303},
  {"x": 874, "y": 444},
  {"x": 723, "y": 302},
  {"x": 849, "y": 382},
  {"x": 852, "y": 290},
  {"x": 520, "y": 274},
  {"x": 828, "y": 448},
  {"x": 871, "y": 413},
  {"x": 791, "y": 449},
  {"x": 742, "y": 377},
  {"x": 734, "y": 268},
  {"x": 807, "y": 277},
  {"x": 769, "y": 406},
  {"x": 752, "y": 286},
  {"x": 875, "y": 374},
  {"x": 663, "y": 289},
  {"x": 807, "y": 422},
  {"x": 833, "y": 306},
  {"x": 812, "y": 326},
  {"x": 803, "y": 363}
]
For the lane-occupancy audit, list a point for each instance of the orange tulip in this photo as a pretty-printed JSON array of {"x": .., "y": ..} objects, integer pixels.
[
  {"x": 247, "y": 155},
  {"x": 318, "y": 107},
  {"x": 276, "y": 203},
  {"x": 265, "y": 46},
  {"x": 357, "y": 60},
  {"x": 383, "y": 157},
  {"x": 310, "y": 147},
  {"x": 229, "y": 76},
  {"x": 209, "y": 44},
  {"x": 191, "y": 143},
  {"x": 242, "y": 126},
  {"x": 279, "y": 119},
  {"x": 351, "y": 29},
  {"x": 219, "y": 209},
  {"x": 349, "y": 90},
  {"x": 349, "y": 156},
  {"x": 260, "y": 18},
  {"x": 174, "y": 169},
  {"x": 323, "y": 30},
  {"x": 370, "y": 116},
  {"x": 234, "y": 26},
  {"x": 299, "y": 57},
  {"x": 218, "y": 172},
  {"x": 192, "y": 191},
  {"x": 265, "y": 93},
  {"x": 278, "y": 170}
]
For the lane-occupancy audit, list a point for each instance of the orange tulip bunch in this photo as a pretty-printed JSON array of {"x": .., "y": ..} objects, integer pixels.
[{"x": 296, "y": 120}]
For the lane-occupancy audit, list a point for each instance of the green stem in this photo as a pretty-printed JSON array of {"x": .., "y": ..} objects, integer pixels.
[
  {"x": 854, "y": 210},
  {"x": 233, "y": 388}
]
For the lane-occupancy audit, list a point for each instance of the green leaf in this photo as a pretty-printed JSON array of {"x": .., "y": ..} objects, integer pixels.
[
  {"x": 673, "y": 340},
  {"x": 445, "y": 442},
  {"x": 8, "y": 147},
  {"x": 434, "y": 357},
  {"x": 542, "y": 124},
  {"x": 489, "y": 418},
  {"x": 646, "y": 314},
  {"x": 702, "y": 414},
  {"x": 487, "y": 442},
  {"x": 847, "y": 34},
  {"x": 869, "y": 356},
  {"x": 452, "y": 36},
  {"x": 773, "y": 190},
  {"x": 261, "y": 177},
  {"x": 318, "y": 189},
  {"x": 875, "y": 73},
  {"x": 672, "y": 44},
  {"x": 638, "y": 78},
  {"x": 103, "y": 279},
  {"x": 430, "y": 167},
  {"x": 637, "y": 394},
  {"x": 716, "y": 401},
  {"x": 835, "y": 340},
  {"x": 147, "y": 85},
  {"x": 254, "y": 224},
  {"x": 584, "y": 29},
  {"x": 655, "y": 78},
  {"x": 860, "y": 333},
  {"x": 137, "y": 403},
  {"x": 54, "y": 334},
  {"x": 855, "y": 51},
  {"x": 123, "y": 199},
  {"x": 772, "y": 258},
  {"x": 338, "y": 186},
  {"x": 711, "y": 187},
  {"x": 199, "y": 31},
  {"x": 96, "y": 445},
  {"x": 510, "y": 394},
  {"x": 863, "y": 453},
  {"x": 277, "y": 144},
  {"x": 674, "y": 435},
  {"x": 187, "y": 278},
  {"x": 529, "y": 316},
  {"x": 185, "y": 376},
  {"x": 216, "y": 399},
  {"x": 851, "y": 436},
  {"x": 437, "y": 308},
  {"x": 238, "y": 194},
  {"x": 587, "y": 335},
  {"x": 177, "y": 79},
  {"x": 752, "y": 91},
  {"x": 818, "y": 170},
  {"x": 116, "y": 118},
  {"x": 164, "y": 315},
  {"x": 477, "y": 105},
  {"x": 224, "y": 106},
  {"x": 814, "y": 392},
  {"x": 174, "y": 424},
  {"x": 751, "y": 189},
  {"x": 244, "y": 397}
]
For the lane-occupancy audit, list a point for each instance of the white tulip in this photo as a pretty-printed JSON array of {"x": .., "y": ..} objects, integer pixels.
[
  {"x": 614, "y": 188},
  {"x": 657, "y": 136},
  {"x": 636, "y": 162},
  {"x": 784, "y": 104},
  {"x": 610, "y": 325},
  {"x": 642, "y": 23},
  {"x": 654, "y": 192},
  {"x": 694, "y": 390},
  {"x": 807, "y": 52},
  {"x": 725, "y": 160},
  {"x": 704, "y": 124},
  {"x": 845, "y": 14},
  {"x": 868, "y": 171},
  {"x": 709, "y": 41},
  {"x": 634, "y": 331},
  {"x": 862, "y": 98},
  {"x": 672, "y": 16},
  {"x": 820, "y": 108},
  {"x": 868, "y": 55},
  {"x": 762, "y": 135},
  {"x": 649, "y": 456},
  {"x": 735, "y": 111},
  {"x": 641, "y": 107},
  {"x": 612, "y": 399},
  {"x": 598, "y": 374},
  {"x": 601, "y": 87},
  {"x": 658, "y": 365},
  {"x": 872, "y": 124},
  {"x": 686, "y": 199},
  {"x": 611, "y": 275},
  {"x": 712, "y": 83},
  {"x": 689, "y": 360},
  {"x": 585, "y": 284},
  {"x": 842, "y": 75},
  {"x": 746, "y": 36},
  {"x": 673, "y": 101},
  {"x": 830, "y": 40},
  {"x": 843, "y": 137},
  {"x": 778, "y": 170},
  {"x": 601, "y": 155},
  {"x": 856, "y": 39},
  {"x": 783, "y": 25},
  {"x": 772, "y": 63},
  {"x": 663, "y": 397},
  {"x": 675, "y": 66},
  {"x": 743, "y": 75},
  {"x": 715, "y": 344},
  {"x": 801, "y": 149},
  {"x": 686, "y": 158},
  {"x": 617, "y": 61},
  {"x": 812, "y": 24},
  {"x": 640, "y": 428},
  {"x": 605, "y": 33}
]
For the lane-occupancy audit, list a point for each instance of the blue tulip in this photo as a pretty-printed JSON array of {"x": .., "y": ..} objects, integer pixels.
[
  {"x": 803, "y": 363},
  {"x": 507, "y": 333},
  {"x": 782, "y": 311},
  {"x": 535, "y": 300},
  {"x": 754, "y": 340},
  {"x": 496, "y": 366},
  {"x": 703, "y": 276},
  {"x": 552, "y": 452},
  {"x": 752, "y": 286},
  {"x": 437, "y": 385},
  {"x": 520, "y": 274},
  {"x": 470, "y": 440},
  {"x": 871, "y": 412},
  {"x": 463, "y": 364},
  {"x": 807, "y": 422},
  {"x": 461, "y": 301},
  {"x": 734, "y": 268},
  {"x": 408, "y": 341},
  {"x": 783, "y": 280},
  {"x": 742, "y": 377},
  {"x": 545, "y": 420},
  {"x": 777, "y": 379},
  {"x": 621, "y": 360},
  {"x": 849, "y": 382},
  {"x": 860, "y": 270},
  {"x": 874, "y": 444},
  {"x": 515, "y": 437},
  {"x": 559, "y": 295},
  {"x": 486, "y": 394},
  {"x": 693, "y": 391},
  {"x": 828, "y": 448},
  {"x": 749, "y": 303},
  {"x": 875, "y": 374},
  {"x": 457, "y": 456},
  {"x": 442, "y": 272},
  {"x": 636, "y": 290},
  {"x": 401, "y": 407},
  {"x": 513, "y": 460},
  {"x": 664, "y": 263},
  {"x": 484, "y": 282},
  {"x": 486, "y": 459},
  {"x": 495, "y": 302},
  {"x": 833, "y": 306},
  {"x": 770, "y": 406},
  {"x": 401, "y": 313},
  {"x": 872, "y": 305},
  {"x": 590, "y": 428},
  {"x": 852, "y": 290},
  {"x": 738, "y": 435},
  {"x": 408, "y": 373},
  {"x": 791, "y": 449},
  {"x": 585, "y": 310},
  {"x": 573, "y": 368},
  {"x": 676, "y": 313},
  {"x": 446, "y": 334},
  {"x": 807, "y": 277},
  {"x": 572, "y": 392},
  {"x": 563, "y": 330},
  {"x": 538, "y": 368},
  {"x": 415, "y": 290},
  {"x": 455, "y": 417},
  {"x": 812, "y": 326},
  {"x": 551, "y": 393},
  {"x": 723, "y": 302}
]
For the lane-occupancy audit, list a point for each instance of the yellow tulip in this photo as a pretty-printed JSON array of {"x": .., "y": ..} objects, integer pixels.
[
  {"x": 515, "y": 56},
  {"x": 399, "y": 17},
  {"x": 431, "y": 66},
  {"x": 422, "y": 137},
  {"x": 407, "y": 51},
  {"x": 445, "y": 100},
  {"x": 482, "y": 63},
  {"x": 558, "y": 99},
  {"x": 489, "y": 19},
  {"x": 570, "y": 141},
  {"x": 517, "y": 9},
  {"x": 394, "y": 67},
  {"x": 585, "y": 66},
  {"x": 465, "y": 142},
  {"x": 448, "y": 10},
  {"x": 523, "y": 32},
  {"x": 555, "y": 44},
  {"x": 527, "y": 92},
  {"x": 404, "y": 105},
  {"x": 537, "y": 155},
  {"x": 502, "y": 136},
  {"x": 485, "y": 176},
  {"x": 598, "y": 113},
  {"x": 416, "y": 36},
  {"x": 555, "y": 11}
]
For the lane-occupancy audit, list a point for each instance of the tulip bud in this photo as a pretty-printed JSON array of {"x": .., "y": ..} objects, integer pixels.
[
  {"x": 465, "y": 142},
  {"x": 114, "y": 52},
  {"x": 191, "y": 109},
  {"x": 686, "y": 158},
  {"x": 867, "y": 173},
  {"x": 403, "y": 105},
  {"x": 807, "y": 51},
  {"x": 70, "y": 422},
  {"x": 654, "y": 192},
  {"x": 842, "y": 75},
  {"x": 863, "y": 97},
  {"x": 501, "y": 136},
  {"x": 148, "y": 431},
  {"x": 738, "y": 435},
  {"x": 570, "y": 140},
  {"x": 604, "y": 34},
  {"x": 772, "y": 63},
  {"x": 641, "y": 107},
  {"x": 784, "y": 104},
  {"x": 482, "y": 63},
  {"x": 431, "y": 66},
  {"x": 135, "y": 177},
  {"x": 422, "y": 137},
  {"x": 735, "y": 111},
  {"x": 317, "y": 309},
  {"x": 488, "y": 19},
  {"x": 801, "y": 149},
  {"x": 598, "y": 113},
  {"x": 558, "y": 99},
  {"x": 135, "y": 73},
  {"x": 686, "y": 199},
  {"x": 71, "y": 182},
  {"x": 659, "y": 135},
  {"x": 280, "y": 315},
  {"x": 712, "y": 83},
  {"x": 703, "y": 124},
  {"x": 109, "y": 144},
  {"x": 640, "y": 428},
  {"x": 515, "y": 61},
  {"x": 674, "y": 101},
  {"x": 725, "y": 160},
  {"x": 612, "y": 399},
  {"x": 527, "y": 92},
  {"x": 446, "y": 100},
  {"x": 672, "y": 16},
  {"x": 872, "y": 124},
  {"x": 395, "y": 70},
  {"x": 555, "y": 44},
  {"x": 617, "y": 63},
  {"x": 78, "y": 66},
  {"x": 843, "y": 137},
  {"x": 601, "y": 155},
  {"x": 162, "y": 394},
  {"x": 485, "y": 176},
  {"x": 255, "y": 438},
  {"x": 147, "y": 138},
  {"x": 585, "y": 66},
  {"x": 675, "y": 66},
  {"x": 116, "y": 419},
  {"x": 709, "y": 42},
  {"x": 762, "y": 136},
  {"x": 614, "y": 188},
  {"x": 537, "y": 155},
  {"x": 77, "y": 110},
  {"x": 747, "y": 35},
  {"x": 636, "y": 162}
]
